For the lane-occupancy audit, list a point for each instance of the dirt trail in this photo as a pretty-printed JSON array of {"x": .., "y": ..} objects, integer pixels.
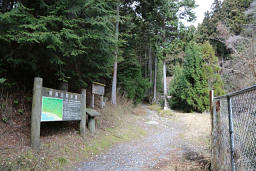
[{"x": 166, "y": 147}]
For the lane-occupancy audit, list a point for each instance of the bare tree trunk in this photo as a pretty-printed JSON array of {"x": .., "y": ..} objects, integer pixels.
[
  {"x": 150, "y": 68},
  {"x": 154, "y": 97},
  {"x": 146, "y": 64},
  {"x": 114, "y": 82},
  {"x": 164, "y": 70},
  {"x": 165, "y": 85}
]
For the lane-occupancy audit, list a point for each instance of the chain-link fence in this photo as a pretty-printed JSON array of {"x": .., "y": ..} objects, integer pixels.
[{"x": 234, "y": 131}]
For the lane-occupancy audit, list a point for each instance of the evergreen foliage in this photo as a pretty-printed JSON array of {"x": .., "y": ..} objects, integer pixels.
[
  {"x": 131, "y": 80},
  {"x": 130, "y": 77},
  {"x": 211, "y": 69},
  {"x": 189, "y": 89},
  {"x": 233, "y": 13},
  {"x": 64, "y": 40},
  {"x": 74, "y": 41}
]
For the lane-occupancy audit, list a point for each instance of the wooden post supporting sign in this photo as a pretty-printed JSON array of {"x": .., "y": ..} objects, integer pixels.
[
  {"x": 101, "y": 102},
  {"x": 36, "y": 114},
  {"x": 98, "y": 89},
  {"x": 83, "y": 114},
  {"x": 92, "y": 103}
]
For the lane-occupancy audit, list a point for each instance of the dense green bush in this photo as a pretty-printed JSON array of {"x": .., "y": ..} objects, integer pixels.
[
  {"x": 135, "y": 88},
  {"x": 176, "y": 89},
  {"x": 59, "y": 41},
  {"x": 211, "y": 69},
  {"x": 189, "y": 88}
]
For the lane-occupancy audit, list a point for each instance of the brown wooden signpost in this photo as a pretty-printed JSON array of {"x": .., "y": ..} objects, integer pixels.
[
  {"x": 51, "y": 105},
  {"x": 98, "y": 89}
]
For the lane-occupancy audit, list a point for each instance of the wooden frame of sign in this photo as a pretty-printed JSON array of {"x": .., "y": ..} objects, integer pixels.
[
  {"x": 98, "y": 89},
  {"x": 50, "y": 105}
]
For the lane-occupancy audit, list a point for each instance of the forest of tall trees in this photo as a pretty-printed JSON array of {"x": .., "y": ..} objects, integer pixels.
[
  {"x": 131, "y": 46},
  {"x": 157, "y": 69},
  {"x": 83, "y": 41}
]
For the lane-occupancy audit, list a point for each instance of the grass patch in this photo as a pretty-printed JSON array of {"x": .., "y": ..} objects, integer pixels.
[
  {"x": 166, "y": 113},
  {"x": 160, "y": 111},
  {"x": 155, "y": 107},
  {"x": 106, "y": 142},
  {"x": 91, "y": 149},
  {"x": 62, "y": 160},
  {"x": 114, "y": 136}
]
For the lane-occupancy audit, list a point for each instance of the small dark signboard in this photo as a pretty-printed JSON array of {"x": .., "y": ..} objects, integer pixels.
[{"x": 98, "y": 88}]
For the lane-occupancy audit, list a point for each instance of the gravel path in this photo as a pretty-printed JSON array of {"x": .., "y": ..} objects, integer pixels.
[{"x": 142, "y": 154}]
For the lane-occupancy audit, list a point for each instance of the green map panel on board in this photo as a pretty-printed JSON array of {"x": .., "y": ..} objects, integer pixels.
[{"x": 52, "y": 109}]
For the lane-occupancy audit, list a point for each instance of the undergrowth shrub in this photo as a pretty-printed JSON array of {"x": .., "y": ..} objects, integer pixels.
[
  {"x": 189, "y": 88},
  {"x": 13, "y": 105},
  {"x": 112, "y": 115},
  {"x": 211, "y": 69}
]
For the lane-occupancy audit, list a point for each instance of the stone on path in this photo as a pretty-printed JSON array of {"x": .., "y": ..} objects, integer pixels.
[{"x": 152, "y": 122}]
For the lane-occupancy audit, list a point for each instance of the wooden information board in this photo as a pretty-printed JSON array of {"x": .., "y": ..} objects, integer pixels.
[
  {"x": 60, "y": 105},
  {"x": 51, "y": 105}
]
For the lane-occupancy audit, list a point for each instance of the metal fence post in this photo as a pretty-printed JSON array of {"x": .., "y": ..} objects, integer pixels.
[
  {"x": 211, "y": 93},
  {"x": 231, "y": 132},
  {"x": 213, "y": 135}
]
